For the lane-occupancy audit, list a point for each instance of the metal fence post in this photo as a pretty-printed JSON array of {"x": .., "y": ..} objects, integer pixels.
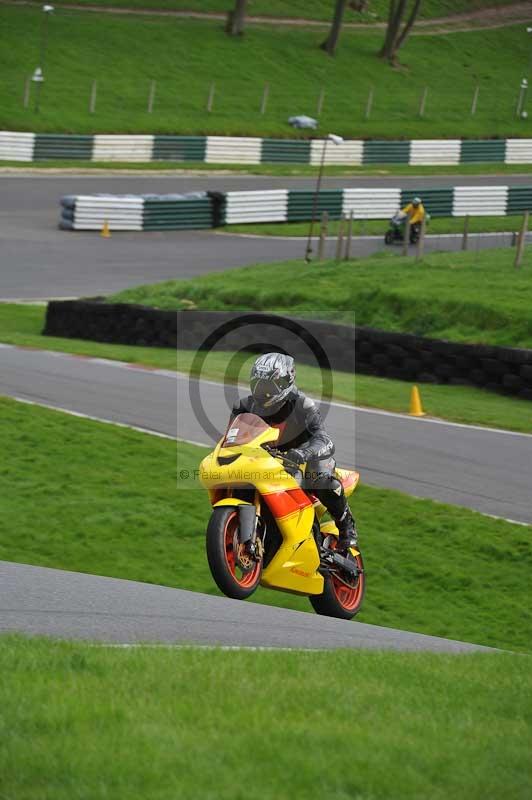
[
  {"x": 369, "y": 103},
  {"x": 475, "y": 101},
  {"x": 349, "y": 239},
  {"x": 423, "y": 101},
  {"x": 521, "y": 241},
  {"x": 465, "y": 234},
  {"x": 151, "y": 96},
  {"x": 406, "y": 240},
  {"x": 265, "y": 95},
  {"x": 340, "y": 240},
  {"x": 324, "y": 228},
  {"x": 26, "y": 97},
  {"x": 210, "y": 99},
  {"x": 92, "y": 101}
]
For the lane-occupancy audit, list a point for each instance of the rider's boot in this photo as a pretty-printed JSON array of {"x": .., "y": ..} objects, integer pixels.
[{"x": 348, "y": 532}]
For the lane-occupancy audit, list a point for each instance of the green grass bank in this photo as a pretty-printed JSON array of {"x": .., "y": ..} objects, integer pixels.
[
  {"x": 476, "y": 296},
  {"x": 22, "y": 326},
  {"x": 91, "y": 497},
  {"x": 124, "y": 53},
  {"x": 100, "y": 722}
]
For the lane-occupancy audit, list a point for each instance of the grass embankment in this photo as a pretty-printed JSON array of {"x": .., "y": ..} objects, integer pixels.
[
  {"x": 413, "y": 725},
  {"x": 304, "y": 9},
  {"x": 84, "y": 46},
  {"x": 475, "y": 296},
  {"x": 85, "y": 496},
  {"x": 22, "y": 325},
  {"x": 368, "y": 227}
]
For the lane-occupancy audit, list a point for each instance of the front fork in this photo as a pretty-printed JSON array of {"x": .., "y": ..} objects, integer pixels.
[{"x": 248, "y": 524}]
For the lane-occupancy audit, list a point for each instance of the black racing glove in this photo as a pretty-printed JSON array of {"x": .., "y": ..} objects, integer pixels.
[{"x": 295, "y": 455}]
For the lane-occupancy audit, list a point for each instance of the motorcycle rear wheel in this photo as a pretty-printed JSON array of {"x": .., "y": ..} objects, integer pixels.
[
  {"x": 222, "y": 555},
  {"x": 339, "y": 599}
]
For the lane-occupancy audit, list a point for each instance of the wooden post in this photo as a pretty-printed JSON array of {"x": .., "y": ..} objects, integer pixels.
[
  {"x": 423, "y": 101},
  {"x": 210, "y": 100},
  {"x": 26, "y": 98},
  {"x": 265, "y": 94},
  {"x": 349, "y": 239},
  {"x": 465, "y": 234},
  {"x": 369, "y": 103},
  {"x": 324, "y": 229},
  {"x": 420, "y": 249},
  {"x": 151, "y": 96},
  {"x": 475, "y": 101},
  {"x": 340, "y": 240},
  {"x": 321, "y": 98},
  {"x": 406, "y": 240},
  {"x": 92, "y": 101},
  {"x": 521, "y": 241}
]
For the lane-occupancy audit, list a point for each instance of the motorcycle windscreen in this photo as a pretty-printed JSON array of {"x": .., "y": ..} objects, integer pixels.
[{"x": 243, "y": 429}]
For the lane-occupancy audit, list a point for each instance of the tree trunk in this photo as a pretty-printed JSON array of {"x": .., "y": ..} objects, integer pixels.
[
  {"x": 236, "y": 19},
  {"x": 395, "y": 37},
  {"x": 331, "y": 42}
]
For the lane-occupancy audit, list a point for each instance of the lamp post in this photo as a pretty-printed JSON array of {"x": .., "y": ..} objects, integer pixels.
[
  {"x": 38, "y": 75},
  {"x": 529, "y": 31},
  {"x": 335, "y": 140}
]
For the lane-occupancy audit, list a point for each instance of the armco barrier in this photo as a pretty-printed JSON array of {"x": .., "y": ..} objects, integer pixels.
[
  {"x": 212, "y": 209},
  {"x": 137, "y": 213},
  {"x": 393, "y": 355},
  {"x": 15, "y": 146}
]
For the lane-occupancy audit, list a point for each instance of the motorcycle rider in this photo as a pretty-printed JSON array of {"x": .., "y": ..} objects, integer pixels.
[
  {"x": 277, "y": 400},
  {"x": 416, "y": 211}
]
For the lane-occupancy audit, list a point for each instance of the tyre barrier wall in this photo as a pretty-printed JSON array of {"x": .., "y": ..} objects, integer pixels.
[
  {"x": 15, "y": 146},
  {"x": 392, "y": 355},
  {"x": 137, "y": 212},
  {"x": 212, "y": 209}
]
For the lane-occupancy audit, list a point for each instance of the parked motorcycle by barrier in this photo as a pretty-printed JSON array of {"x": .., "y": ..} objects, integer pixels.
[{"x": 266, "y": 529}]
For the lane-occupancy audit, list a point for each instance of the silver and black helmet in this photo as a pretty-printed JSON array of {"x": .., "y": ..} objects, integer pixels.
[{"x": 272, "y": 378}]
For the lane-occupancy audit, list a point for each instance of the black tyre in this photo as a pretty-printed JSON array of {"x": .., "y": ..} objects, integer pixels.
[
  {"x": 341, "y": 598},
  {"x": 235, "y": 573},
  {"x": 388, "y": 237}
]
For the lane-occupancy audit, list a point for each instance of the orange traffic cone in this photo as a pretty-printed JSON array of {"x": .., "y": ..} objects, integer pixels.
[
  {"x": 106, "y": 231},
  {"x": 416, "y": 409}
]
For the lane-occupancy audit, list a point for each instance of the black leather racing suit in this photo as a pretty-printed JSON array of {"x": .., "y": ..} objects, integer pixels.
[{"x": 301, "y": 427}]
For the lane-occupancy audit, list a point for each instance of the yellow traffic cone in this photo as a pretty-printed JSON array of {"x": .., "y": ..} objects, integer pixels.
[
  {"x": 416, "y": 409},
  {"x": 106, "y": 232}
]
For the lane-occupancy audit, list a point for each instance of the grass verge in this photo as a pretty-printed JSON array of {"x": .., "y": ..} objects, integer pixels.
[
  {"x": 280, "y": 170},
  {"x": 22, "y": 325},
  {"x": 90, "y": 497},
  {"x": 377, "y": 227},
  {"x": 84, "y": 46},
  {"x": 419, "y": 725},
  {"x": 475, "y": 296}
]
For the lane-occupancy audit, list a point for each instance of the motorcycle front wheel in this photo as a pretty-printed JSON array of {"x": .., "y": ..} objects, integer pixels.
[
  {"x": 342, "y": 594},
  {"x": 234, "y": 571},
  {"x": 388, "y": 237}
]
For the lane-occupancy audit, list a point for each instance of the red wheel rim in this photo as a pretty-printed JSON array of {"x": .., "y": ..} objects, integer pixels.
[
  {"x": 244, "y": 579},
  {"x": 349, "y": 597}
]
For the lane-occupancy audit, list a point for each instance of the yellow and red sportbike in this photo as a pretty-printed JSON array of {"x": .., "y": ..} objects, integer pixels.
[{"x": 265, "y": 529}]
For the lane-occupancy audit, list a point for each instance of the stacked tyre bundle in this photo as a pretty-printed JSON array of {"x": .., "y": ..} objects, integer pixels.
[
  {"x": 90, "y": 212},
  {"x": 177, "y": 212},
  {"x": 137, "y": 212}
]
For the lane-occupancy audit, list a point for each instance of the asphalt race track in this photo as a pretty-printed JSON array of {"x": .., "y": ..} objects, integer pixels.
[
  {"x": 71, "y": 605},
  {"x": 38, "y": 261},
  {"x": 478, "y": 468}
]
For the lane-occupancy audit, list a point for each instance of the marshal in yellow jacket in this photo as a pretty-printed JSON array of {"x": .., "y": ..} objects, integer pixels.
[{"x": 416, "y": 213}]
